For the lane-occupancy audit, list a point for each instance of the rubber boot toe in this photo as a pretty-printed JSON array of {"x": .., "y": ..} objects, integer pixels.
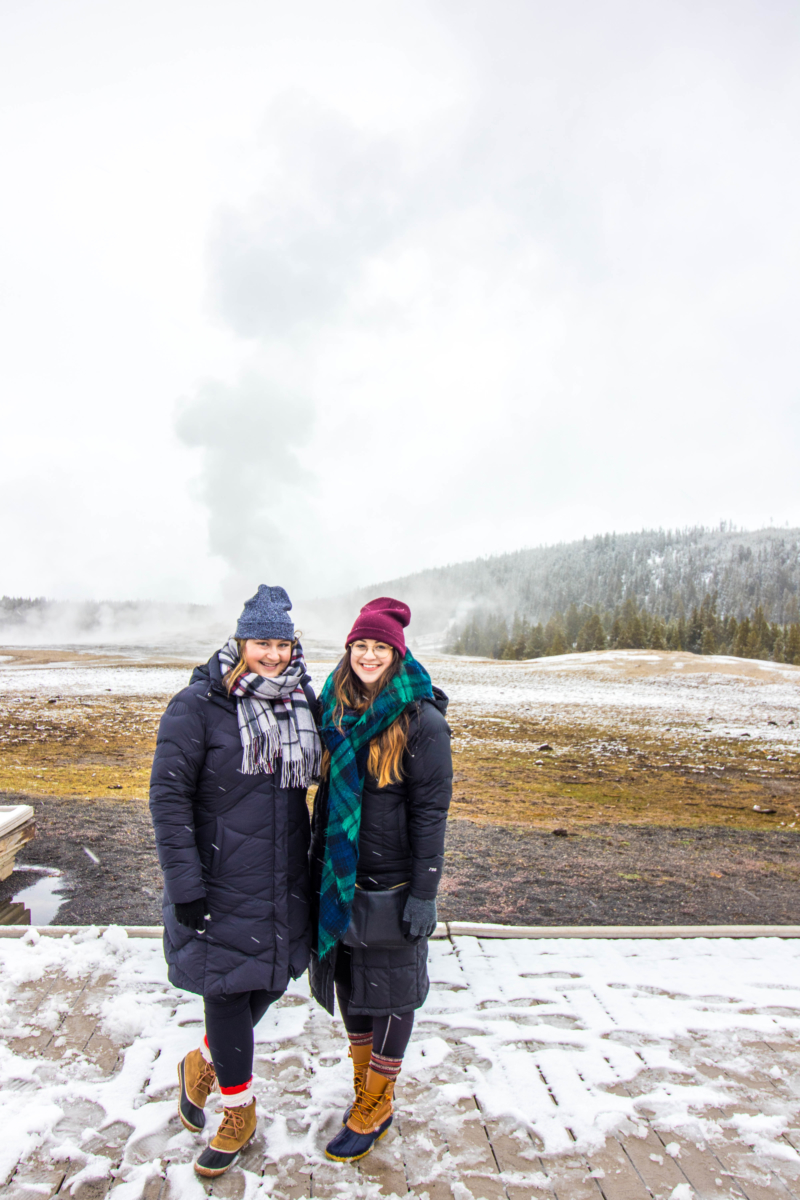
[
  {"x": 236, "y": 1129},
  {"x": 192, "y": 1117},
  {"x": 348, "y": 1145},
  {"x": 215, "y": 1162}
]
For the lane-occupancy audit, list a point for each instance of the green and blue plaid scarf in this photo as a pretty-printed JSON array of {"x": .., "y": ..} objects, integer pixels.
[{"x": 348, "y": 743}]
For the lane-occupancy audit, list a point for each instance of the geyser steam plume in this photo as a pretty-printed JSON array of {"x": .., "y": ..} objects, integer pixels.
[{"x": 252, "y": 481}]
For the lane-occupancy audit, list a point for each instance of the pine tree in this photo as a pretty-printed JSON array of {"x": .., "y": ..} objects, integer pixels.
[
  {"x": 552, "y": 629},
  {"x": 658, "y": 635},
  {"x": 708, "y": 644},
  {"x": 793, "y": 644},
  {"x": 572, "y": 624},
  {"x": 731, "y": 629},
  {"x": 497, "y": 632},
  {"x": 694, "y": 633},
  {"x": 534, "y": 647},
  {"x": 558, "y": 644},
  {"x": 742, "y": 638},
  {"x": 591, "y": 636},
  {"x": 633, "y": 635},
  {"x": 681, "y": 639},
  {"x": 760, "y": 634}
]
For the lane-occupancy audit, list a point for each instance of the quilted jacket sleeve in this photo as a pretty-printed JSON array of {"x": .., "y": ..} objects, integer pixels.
[
  {"x": 429, "y": 780},
  {"x": 179, "y": 757}
]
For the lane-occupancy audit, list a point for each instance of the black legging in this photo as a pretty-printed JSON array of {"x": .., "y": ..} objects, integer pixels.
[
  {"x": 390, "y": 1035},
  {"x": 230, "y": 1021}
]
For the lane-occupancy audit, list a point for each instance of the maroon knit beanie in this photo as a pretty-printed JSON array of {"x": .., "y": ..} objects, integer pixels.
[{"x": 384, "y": 620}]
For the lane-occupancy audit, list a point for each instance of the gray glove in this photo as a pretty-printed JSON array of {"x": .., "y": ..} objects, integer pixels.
[{"x": 419, "y": 918}]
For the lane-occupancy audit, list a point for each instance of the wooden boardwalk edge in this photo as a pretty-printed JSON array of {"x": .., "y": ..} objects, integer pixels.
[{"x": 451, "y": 929}]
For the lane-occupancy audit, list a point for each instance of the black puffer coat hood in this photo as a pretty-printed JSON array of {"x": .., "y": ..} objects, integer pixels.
[
  {"x": 239, "y": 840},
  {"x": 401, "y": 839}
]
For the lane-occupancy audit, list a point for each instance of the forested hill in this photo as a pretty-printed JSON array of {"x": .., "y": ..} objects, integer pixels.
[{"x": 668, "y": 573}]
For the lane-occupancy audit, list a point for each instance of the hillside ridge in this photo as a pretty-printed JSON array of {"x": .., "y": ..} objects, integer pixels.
[{"x": 668, "y": 572}]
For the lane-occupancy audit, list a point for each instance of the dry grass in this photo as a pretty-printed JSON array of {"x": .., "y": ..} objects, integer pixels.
[
  {"x": 600, "y": 776},
  {"x": 616, "y": 772},
  {"x": 78, "y": 748}
]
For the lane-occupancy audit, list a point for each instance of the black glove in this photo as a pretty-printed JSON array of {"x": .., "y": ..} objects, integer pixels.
[
  {"x": 419, "y": 918},
  {"x": 192, "y": 915}
]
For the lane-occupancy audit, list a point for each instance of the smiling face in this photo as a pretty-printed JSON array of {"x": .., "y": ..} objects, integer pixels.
[
  {"x": 369, "y": 660},
  {"x": 270, "y": 657}
]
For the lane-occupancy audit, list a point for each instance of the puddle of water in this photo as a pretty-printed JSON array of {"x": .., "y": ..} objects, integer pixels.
[{"x": 40, "y": 901}]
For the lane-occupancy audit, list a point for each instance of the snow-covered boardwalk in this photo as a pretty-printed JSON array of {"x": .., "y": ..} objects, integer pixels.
[{"x": 579, "y": 1069}]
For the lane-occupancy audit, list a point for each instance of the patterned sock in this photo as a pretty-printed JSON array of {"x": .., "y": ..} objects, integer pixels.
[
  {"x": 234, "y": 1097},
  {"x": 360, "y": 1039},
  {"x": 204, "y": 1050},
  {"x": 388, "y": 1067}
]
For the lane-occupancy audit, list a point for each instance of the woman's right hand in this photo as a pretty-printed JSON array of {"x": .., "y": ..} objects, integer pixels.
[{"x": 192, "y": 915}]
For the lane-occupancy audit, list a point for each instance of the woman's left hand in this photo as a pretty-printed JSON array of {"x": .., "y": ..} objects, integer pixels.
[{"x": 419, "y": 918}]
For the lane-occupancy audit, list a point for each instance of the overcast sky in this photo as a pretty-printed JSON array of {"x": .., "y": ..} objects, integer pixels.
[{"x": 318, "y": 294}]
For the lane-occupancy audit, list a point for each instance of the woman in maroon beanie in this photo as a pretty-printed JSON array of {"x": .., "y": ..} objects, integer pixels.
[{"x": 377, "y": 850}]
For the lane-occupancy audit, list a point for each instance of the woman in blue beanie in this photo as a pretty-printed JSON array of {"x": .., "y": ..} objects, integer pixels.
[{"x": 236, "y": 752}]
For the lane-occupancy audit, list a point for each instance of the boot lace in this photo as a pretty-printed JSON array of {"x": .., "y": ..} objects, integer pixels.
[
  {"x": 365, "y": 1103},
  {"x": 232, "y": 1123},
  {"x": 207, "y": 1078}
]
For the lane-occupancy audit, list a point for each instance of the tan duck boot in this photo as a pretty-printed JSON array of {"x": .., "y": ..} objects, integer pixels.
[
  {"x": 360, "y": 1056},
  {"x": 236, "y": 1129},
  {"x": 197, "y": 1078},
  {"x": 369, "y": 1119}
]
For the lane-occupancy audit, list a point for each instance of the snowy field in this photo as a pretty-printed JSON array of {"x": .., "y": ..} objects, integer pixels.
[
  {"x": 134, "y": 677},
  {"x": 651, "y": 689},
  {"x": 569, "y": 1069}
]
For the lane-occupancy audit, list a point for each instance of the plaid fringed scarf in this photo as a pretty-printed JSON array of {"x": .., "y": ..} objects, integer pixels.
[
  {"x": 348, "y": 743},
  {"x": 275, "y": 720}
]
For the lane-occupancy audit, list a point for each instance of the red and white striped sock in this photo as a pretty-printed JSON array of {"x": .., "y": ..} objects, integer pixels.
[
  {"x": 204, "y": 1050},
  {"x": 360, "y": 1039},
  {"x": 389, "y": 1067},
  {"x": 236, "y": 1097}
]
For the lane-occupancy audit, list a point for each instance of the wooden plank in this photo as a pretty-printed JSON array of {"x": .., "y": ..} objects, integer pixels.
[
  {"x": 758, "y": 1179},
  {"x": 472, "y": 1141},
  {"x": 619, "y": 1179},
  {"x": 384, "y": 1166},
  {"x": 14, "y": 913},
  {"x": 571, "y": 1179},
  {"x": 660, "y": 1173},
  {"x": 702, "y": 1170},
  {"x": 481, "y": 930},
  {"x": 12, "y": 841},
  {"x": 13, "y": 816},
  {"x": 32, "y": 1178},
  {"x": 516, "y": 1170}
]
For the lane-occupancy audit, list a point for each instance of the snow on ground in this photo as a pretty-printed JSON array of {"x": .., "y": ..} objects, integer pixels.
[
  {"x": 564, "y": 1043},
  {"x": 613, "y": 688},
  {"x": 73, "y": 679}
]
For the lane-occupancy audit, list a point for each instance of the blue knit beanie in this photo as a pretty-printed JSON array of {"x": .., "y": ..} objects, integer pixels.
[{"x": 266, "y": 615}]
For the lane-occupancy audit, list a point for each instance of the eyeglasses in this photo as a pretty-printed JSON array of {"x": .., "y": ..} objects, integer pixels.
[{"x": 380, "y": 651}]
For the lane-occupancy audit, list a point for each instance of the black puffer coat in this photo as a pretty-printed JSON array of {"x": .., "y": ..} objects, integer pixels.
[
  {"x": 240, "y": 840},
  {"x": 401, "y": 839}
]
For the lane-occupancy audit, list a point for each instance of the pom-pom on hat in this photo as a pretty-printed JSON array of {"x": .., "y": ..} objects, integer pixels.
[
  {"x": 384, "y": 620},
  {"x": 266, "y": 615}
]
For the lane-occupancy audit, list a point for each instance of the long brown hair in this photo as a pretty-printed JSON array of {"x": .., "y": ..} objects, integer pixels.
[
  {"x": 385, "y": 759},
  {"x": 240, "y": 668}
]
